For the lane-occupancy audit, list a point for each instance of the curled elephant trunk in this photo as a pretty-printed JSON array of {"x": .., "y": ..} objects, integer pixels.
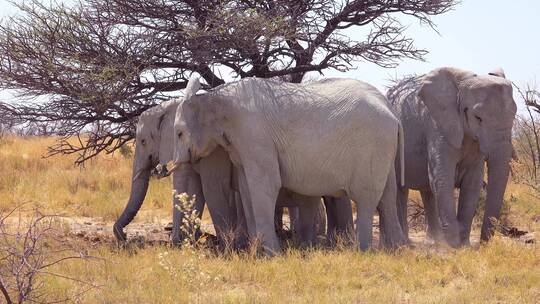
[
  {"x": 139, "y": 186},
  {"x": 498, "y": 165}
]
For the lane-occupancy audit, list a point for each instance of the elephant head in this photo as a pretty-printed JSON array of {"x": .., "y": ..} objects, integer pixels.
[
  {"x": 196, "y": 128},
  {"x": 482, "y": 108},
  {"x": 150, "y": 151}
]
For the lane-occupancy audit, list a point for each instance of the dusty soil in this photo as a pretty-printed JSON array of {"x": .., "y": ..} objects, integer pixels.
[{"x": 96, "y": 231}]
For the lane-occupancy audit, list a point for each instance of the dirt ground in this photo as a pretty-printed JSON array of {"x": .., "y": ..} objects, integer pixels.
[{"x": 96, "y": 231}]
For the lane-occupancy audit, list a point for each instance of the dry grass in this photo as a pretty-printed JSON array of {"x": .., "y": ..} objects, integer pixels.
[
  {"x": 505, "y": 271},
  {"x": 101, "y": 189},
  {"x": 502, "y": 272}
]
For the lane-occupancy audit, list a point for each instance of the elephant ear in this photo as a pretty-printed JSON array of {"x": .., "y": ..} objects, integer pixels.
[
  {"x": 499, "y": 72},
  {"x": 439, "y": 92},
  {"x": 165, "y": 129}
]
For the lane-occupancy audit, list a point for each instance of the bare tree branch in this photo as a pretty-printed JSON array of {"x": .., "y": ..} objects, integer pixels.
[
  {"x": 95, "y": 66},
  {"x": 29, "y": 247}
]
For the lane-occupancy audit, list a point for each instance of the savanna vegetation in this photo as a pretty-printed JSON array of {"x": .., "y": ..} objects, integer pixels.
[
  {"x": 503, "y": 271},
  {"x": 83, "y": 72}
]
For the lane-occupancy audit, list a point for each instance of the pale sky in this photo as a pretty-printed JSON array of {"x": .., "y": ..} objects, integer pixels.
[{"x": 479, "y": 35}]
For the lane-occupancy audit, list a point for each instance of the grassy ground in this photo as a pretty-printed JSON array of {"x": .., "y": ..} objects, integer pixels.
[
  {"x": 100, "y": 189},
  {"x": 504, "y": 271}
]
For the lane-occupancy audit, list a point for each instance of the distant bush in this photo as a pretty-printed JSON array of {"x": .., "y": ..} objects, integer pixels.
[{"x": 527, "y": 140}]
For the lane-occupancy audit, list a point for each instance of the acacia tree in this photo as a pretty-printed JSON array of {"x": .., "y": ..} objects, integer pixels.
[{"x": 101, "y": 63}]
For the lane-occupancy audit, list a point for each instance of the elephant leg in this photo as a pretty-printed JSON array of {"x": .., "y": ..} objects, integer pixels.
[
  {"x": 187, "y": 181},
  {"x": 331, "y": 218},
  {"x": 216, "y": 171},
  {"x": 367, "y": 202},
  {"x": 469, "y": 195},
  {"x": 278, "y": 220},
  {"x": 344, "y": 216},
  {"x": 320, "y": 221},
  {"x": 434, "y": 230},
  {"x": 364, "y": 226},
  {"x": 442, "y": 171},
  {"x": 259, "y": 193},
  {"x": 294, "y": 220},
  {"x": 392, "y": 236},
  {"x": 246, "y": 202},
  {"x": 241, "y": 236},
  {"x": 339, "y": 218},
  {"x": 308, "y": 207},
  {"x": 402, "y": 199}
]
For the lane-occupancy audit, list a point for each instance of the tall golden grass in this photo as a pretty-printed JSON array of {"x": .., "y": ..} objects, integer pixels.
[
  {"x": 503, "y": 271},
  {"x": 99, "y": 189}
]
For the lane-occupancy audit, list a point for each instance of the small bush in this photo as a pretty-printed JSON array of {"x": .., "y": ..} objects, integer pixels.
[{"x": 31, "y": 247}]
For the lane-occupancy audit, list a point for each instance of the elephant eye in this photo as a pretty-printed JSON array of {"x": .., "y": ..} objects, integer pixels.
[
  {"x": 478, "y": 118},
  {"x": 143, "y": 142},
  {"x": 179, "y": 134}
]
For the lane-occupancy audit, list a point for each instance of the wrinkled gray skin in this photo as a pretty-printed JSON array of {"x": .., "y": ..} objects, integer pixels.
[
  {"x": 153, "y": 147},
  {"x": 453, "y": 121},
  {"x": 333, "y": 137},
  {"x": 210, "y": 180},
  {"x": 150, "y": 150},
  {"x": 340, "y": 219}
]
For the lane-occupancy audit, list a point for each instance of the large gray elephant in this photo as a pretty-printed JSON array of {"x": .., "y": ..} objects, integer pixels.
[
  {"x": 335, "y": 137},
  {"x": 453, "y": 121},
  {"x": 211, "y": 181}
]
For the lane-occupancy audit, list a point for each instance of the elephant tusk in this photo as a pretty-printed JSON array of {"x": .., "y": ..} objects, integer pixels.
[
  {"x": 137, "y": 175},
  {"x": 174, "y": 167}
]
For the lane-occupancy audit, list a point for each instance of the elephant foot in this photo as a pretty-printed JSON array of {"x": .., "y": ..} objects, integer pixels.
[
  {"x": 465, "y": 242},
  {"x": 452, "y": 238},
  {"x": 119, "y": 233},
  {"x": 434, "y": 237},
  {"x": 270, "y": 246},
  {"x": 430, "y": 241},
  {"x": 241, "y": 244},
  {"x": 393, "y": 241}
]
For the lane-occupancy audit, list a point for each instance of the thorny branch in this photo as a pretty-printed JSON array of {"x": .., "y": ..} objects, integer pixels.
[
  {"x": 90, "y": 69},
  {"x": 30, "y": 246}
]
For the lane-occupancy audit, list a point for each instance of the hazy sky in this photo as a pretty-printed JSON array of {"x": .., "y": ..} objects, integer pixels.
[{"x": 479, "y": 35}]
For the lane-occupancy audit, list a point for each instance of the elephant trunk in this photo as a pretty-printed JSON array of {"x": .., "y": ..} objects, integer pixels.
[
  {"x": 139, "y": 186},
  {"x": 498, "y": 164}
]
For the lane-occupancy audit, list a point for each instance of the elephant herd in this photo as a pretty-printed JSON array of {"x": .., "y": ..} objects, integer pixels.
[{"x": 248, "y": 148}]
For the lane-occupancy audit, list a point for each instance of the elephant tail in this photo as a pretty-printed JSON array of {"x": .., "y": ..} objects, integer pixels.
[{"x": 401, "y": 143}]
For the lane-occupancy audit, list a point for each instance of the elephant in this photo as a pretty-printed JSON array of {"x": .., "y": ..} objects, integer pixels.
[
  {"x": 211, "y": 180},
  {"x": 454, "y": 121},
  {"x": 339, "y": 220},
  {"x": 336, "y": 137}
]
